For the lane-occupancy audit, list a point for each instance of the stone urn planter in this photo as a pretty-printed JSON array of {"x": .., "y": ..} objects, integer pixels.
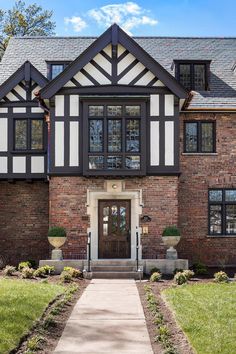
[
  {"x": 171, "y": 237},
  {"x": 56, "y": 238}
]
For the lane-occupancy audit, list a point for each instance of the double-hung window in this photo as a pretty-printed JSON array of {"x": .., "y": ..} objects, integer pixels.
[
  {"x": 222, "y": 211},
  {"x": 28, "y": 134},
  {"x": 199, "y": 137},
  {"x": 114, "y": 138}
]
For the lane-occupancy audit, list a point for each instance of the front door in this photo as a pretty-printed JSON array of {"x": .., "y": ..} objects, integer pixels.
[{"x": 114, "y": 229}]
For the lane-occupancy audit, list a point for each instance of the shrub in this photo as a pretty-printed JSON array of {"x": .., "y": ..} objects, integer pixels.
[
  {"x": 66, "y": 277},
  {"x": 27, "y": 273},
  {"x": 49, "y": 269},
  {"x": 154, "y": 270},
  {"x": 49, "y": 322},
  {"x": 177, "y": 270},
  {"x": 43, "y": 271},
  {"x": 180, "y": 278},
  {"x": 9, "y": 270},
  {"x": 23, "y": 265},
  {"x": 57, "y": 231},
  {"x": 199, "y": 268},
  {"x": 34, "y": 343},
  {"x": 171, "y": 231},
  {"x": 75, "y": 273},
  {"x": 155, "y": 277},
  {"x": 188, "y": 273},
  {"x": 221, "y": 277}
]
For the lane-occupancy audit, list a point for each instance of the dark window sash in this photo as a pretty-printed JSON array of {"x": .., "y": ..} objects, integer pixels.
[
  {"x": 199, "y": 137},
  {"x": 28, "y": 135}
]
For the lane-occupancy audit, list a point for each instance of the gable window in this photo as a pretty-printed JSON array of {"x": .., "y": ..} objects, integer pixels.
[
  {"x": 222, "y": 211},
  {"x": 114, "y": 138},
  {"x": 193, "y": 75},
  {"x": 55, "y": 68},
  {"x": 28, "y": 134},
  {"x": 199, "y": 137}
]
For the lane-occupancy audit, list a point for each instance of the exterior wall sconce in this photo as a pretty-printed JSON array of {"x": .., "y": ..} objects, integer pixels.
[
  {"x": 114, "y": 186},
  {"x": 146, "y": 218}
]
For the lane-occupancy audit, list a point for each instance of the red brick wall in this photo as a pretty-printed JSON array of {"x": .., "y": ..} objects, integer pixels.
[
  {"x": 23, "y": 221},
  {"x": 198, "y": 173},
  {"x": 68, "y": 197}
]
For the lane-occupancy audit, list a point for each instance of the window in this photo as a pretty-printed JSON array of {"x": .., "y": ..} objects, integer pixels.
[
  {"x": 114, "y": 138},
  {"x": 199, "y": 137},
  {"x": 222, "y": 211},
  {"x": 55, "y": 68},
  {"x": 28, "y": 134},
  {"x": 193, "y": 75}
]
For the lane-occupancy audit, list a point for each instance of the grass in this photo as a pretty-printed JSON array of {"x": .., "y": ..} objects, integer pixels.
[
  {"x": 21, "y": 304},
  {"x": 207, "y": 314}
]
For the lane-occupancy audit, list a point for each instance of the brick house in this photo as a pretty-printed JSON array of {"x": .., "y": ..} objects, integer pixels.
[{"x": 124, "y": 133}]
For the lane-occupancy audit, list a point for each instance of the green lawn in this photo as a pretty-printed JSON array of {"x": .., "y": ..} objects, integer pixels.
[
  {"x": 207, "y": 314},
  {"x": 21, "y": 303}
]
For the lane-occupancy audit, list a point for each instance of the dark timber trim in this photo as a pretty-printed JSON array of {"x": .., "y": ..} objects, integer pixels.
[{"x": 113, "y": 36}]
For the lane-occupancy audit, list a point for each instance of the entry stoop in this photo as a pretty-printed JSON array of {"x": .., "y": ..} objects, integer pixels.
[{"x": 114, "y": 269}]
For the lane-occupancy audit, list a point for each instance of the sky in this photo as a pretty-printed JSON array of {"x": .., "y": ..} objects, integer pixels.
[{"x": 142, "y": 17}]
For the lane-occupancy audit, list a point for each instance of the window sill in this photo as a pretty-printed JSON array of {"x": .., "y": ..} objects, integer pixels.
[
  {"x": 28, "y": 152},
  {"x": 221, "y": 236},
  {"x": 199, "y": 153}
]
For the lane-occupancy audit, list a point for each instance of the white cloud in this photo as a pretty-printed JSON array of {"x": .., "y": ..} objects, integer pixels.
[
  {"x": 128, "y": 15},
  {"x": 77, "y": 22}
]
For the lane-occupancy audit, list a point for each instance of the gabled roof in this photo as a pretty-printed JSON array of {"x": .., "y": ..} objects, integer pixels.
[
  {"x": 114, "y": 35},
  {"x": 26, "y": 72},
  {"x": 221, "y": 52}
]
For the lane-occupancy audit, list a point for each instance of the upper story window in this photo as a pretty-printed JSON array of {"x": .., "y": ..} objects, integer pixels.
[
  {"x": 199, "y": 137},
  {"x": 28, "y": 134},
  {"x": 114, "y": 138},
  {"x": 55, "y": 68},
  {"x": 193, "y": 75},
  {"x": 222, "y": 211}
]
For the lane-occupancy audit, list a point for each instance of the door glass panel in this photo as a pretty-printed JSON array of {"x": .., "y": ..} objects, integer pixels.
[
  {"x": 114, "y": 111},
  {"x": 114, "y": 162},
  {"x": 207, "y": 137},
  {"x": 191, "y": 137},
  {"x": 215, "y": 219},
  {"x": 133, "y": 111},
  {"x": 21, "y": 134},
  {"x": 132, "y": 162},
  {"x": 114, "y": 218},
  {"x": 95, "y": 135},
  {"x": 231, "y": 219},
  {"x": 114, "y": 135},
  {"x": 123, "y": 219},
  {"x": 96, "y": 111},
  {"x": 96, "y": 162},
  {"x": 132, "y": 135}
]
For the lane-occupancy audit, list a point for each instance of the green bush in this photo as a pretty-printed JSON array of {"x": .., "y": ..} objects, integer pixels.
[
  {"x": 9, "y": 270},
  {"x": 171, "y": 231},
  {"x": 27, "y": 273},
  {"x": 177, "y": 270},
  {"x": 199, "y": 268},
  {"x": 75, "y": 273},
  {"x": 221, "y": 277},
  {"x": 66, "y": 277},
  {"x": 57, "y": 231},
  {"x": 188, "y": 273},
  {"x": 154, "y": 270},
  {"x": 180, "y": 278},
  {"x": 23, "y": 265},
  {"x": 34, "y": 343},
  {"x": 156, "y": 276}
]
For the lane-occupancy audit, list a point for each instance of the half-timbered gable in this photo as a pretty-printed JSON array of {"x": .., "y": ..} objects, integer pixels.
[{"x": 23, "y": 133}]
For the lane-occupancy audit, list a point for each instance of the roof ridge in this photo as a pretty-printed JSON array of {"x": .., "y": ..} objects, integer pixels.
[{"x": 144, "y": 37}]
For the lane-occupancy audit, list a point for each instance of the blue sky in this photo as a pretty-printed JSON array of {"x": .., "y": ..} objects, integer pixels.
[{"x": 150, "y": 17}]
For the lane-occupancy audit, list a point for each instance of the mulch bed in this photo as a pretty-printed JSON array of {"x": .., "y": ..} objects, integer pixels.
[
  {"x": 51, "y": 335},
  {"x": 178, "y": 338}
]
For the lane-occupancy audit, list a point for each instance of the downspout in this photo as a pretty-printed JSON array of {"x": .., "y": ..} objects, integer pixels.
[{"x": 43, "y": 106}]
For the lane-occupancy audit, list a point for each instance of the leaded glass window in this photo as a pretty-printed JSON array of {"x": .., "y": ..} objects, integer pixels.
[
  {"x": 185, "y": 75},
  {"x": 222, "y": 211},
  {"x": 20, "y": 134},
  {"x": 193, "y": 76},
  {"x": 36, "y": 134},
  {"x": 114, "y": 135},
  {"x": 114, "y": 162},
  {"x": 28, "y": 134},
  {"x": 56, "y": 69},
  {"x": 199, "y": 137},
  {"x": 96, "y": 162},
  {"x": 132, "y": 135},
  {"x": 95, "y": 135}
]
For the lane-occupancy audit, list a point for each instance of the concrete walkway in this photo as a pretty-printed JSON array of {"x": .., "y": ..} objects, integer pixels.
[{"x": 108, "y": 318}]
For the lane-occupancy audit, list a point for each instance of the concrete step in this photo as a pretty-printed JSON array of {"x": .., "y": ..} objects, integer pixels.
[
  {"x": 114, "y": 275},
  {"x": 113, "y": 262},
  {"x": 113, "y": 268}
]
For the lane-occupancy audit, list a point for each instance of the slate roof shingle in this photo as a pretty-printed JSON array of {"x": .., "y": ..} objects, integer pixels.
[{"x": 221, "y": 52}]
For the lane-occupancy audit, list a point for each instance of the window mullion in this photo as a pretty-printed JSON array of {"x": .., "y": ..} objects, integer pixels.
[
  {"x": 199, "y": 137},
  {"x": 123, "y": 132},
  {"x": 105, "y": 137}
]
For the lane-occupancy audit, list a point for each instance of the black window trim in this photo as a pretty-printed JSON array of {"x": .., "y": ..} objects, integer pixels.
[
  {"x": 65, "y": 63},
  {"x": 223, "y": 205},
  {"x": 199, "y": 134},
  {"x": 29, "y": 136},
  {"x": 192, "y": 63}
]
